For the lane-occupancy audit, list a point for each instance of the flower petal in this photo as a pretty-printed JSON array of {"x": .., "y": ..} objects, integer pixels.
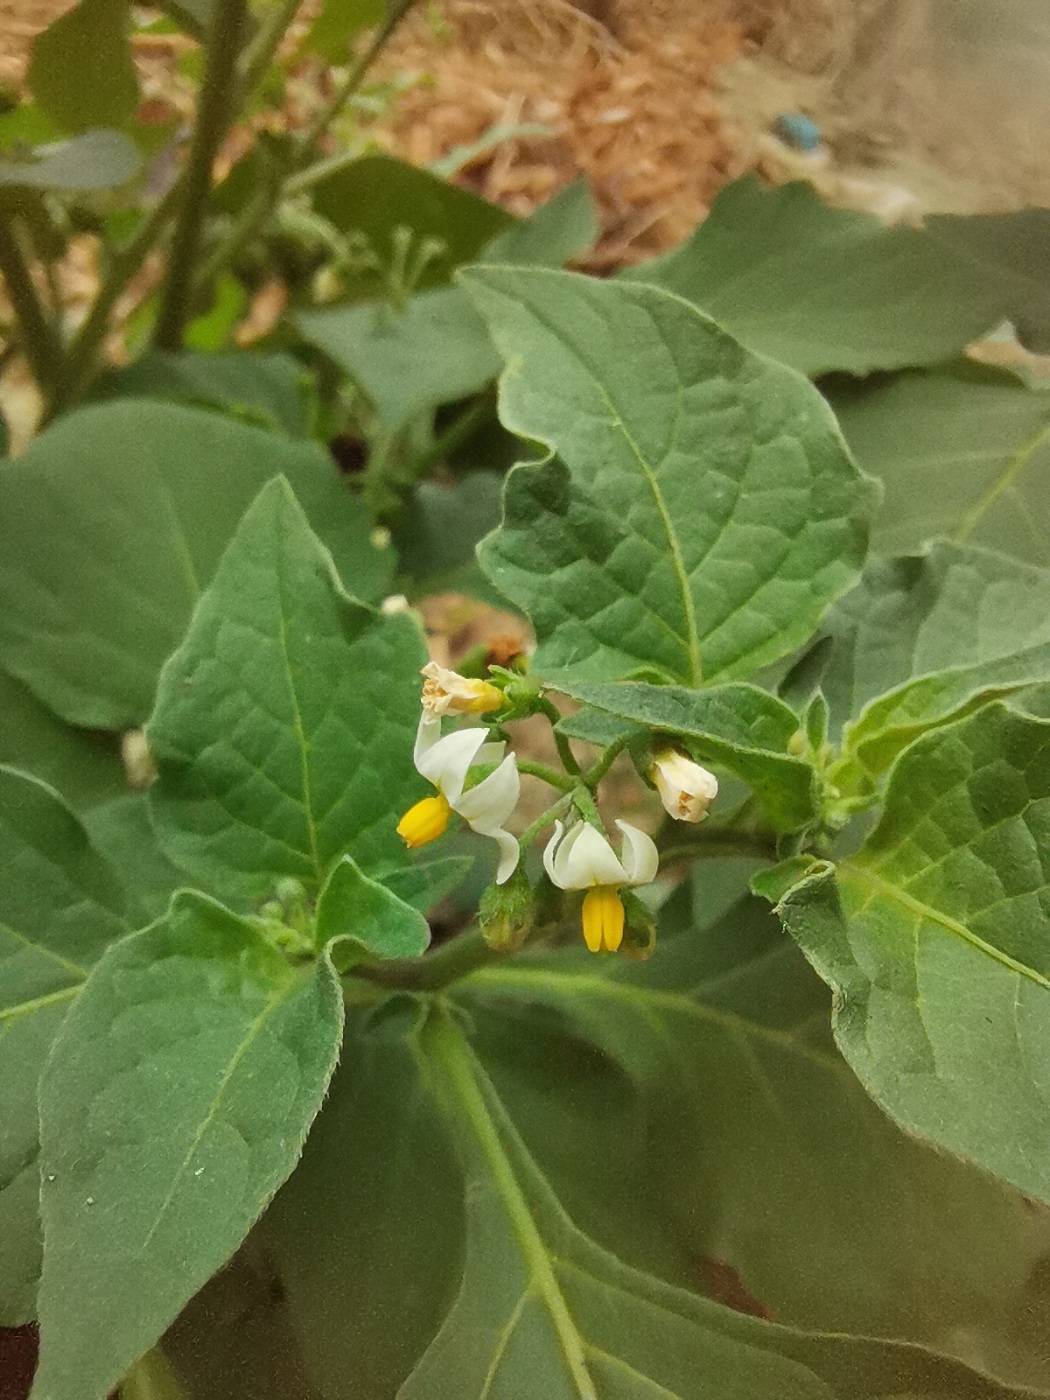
[
  {"x": 488, "y": 805},
  {"x": 445, "y": 762},
  {"x": 641, "y": 859},
  {"x": 509, "y": 852},
  {"x": 586, "y": 859},
  {"x": 549, "y": 852}
]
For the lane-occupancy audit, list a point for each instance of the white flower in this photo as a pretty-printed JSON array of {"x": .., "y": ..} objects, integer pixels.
[
  {"x": 445, "y": 762},
  {"x": 686, "y": 788},
  {"x": 582, "y": 859},
  {"x": 448, "y": 693}
]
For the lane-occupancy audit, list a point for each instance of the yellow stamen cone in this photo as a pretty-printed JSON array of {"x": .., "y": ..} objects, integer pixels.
[
  {"x": 602, "y": 919},
  {"x": 424, "y": 822}
]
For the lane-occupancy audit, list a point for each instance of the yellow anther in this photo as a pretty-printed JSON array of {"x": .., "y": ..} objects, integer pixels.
[
  {"x": 424, "y": 822},
  {"x": 602, "y": 919}
]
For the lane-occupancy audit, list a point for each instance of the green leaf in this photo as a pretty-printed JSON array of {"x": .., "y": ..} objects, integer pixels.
[
  {"x": 924, "y": 637},
  {"x": 711, "y": 1120},
  {"x": 285, "y": 722},
  {"x": 830, "y": 289},
  {"x": 740, "y": 726},
  {"x": 76, "y": 94},
  {"x": 934, "y": 939},
  {"x": 193, "y": 15},
  {"x": 174, "y": 1103},
  {"x": 336, "y": 24},
  {"x": 423, "y": 885},
  {"x": 122, "y": 831},
  {"x": 366, "y": 919},
  {"x": 438, "y": 349},
  {"x": 704, "y": 511},
  {"x": 111, "y": 525},
  {"x": 84, "y": 766},
  {"x": 263, "y": 389},
  {"x": 378, "y": 194},
  {"x": 97, "y": 160},
  {"x": 960, "y": 452},
  {"x": 542, "y": 1310},
  {"x": 435, "y": 351},
  {"x": 437, "y": 533},
  {"x": 60, "y": 906},
  {"x": 362, "y": 1328}
]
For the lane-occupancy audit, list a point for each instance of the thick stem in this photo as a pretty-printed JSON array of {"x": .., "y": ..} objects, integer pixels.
[
  {"x": 213, "y": 114},
  {"x": 39, "y": 343},
  {"x": 445, "y": 965},
  {"x": 258, "y": 56}
]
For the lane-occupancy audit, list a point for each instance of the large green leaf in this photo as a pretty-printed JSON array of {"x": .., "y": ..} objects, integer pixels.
[
  {"x": 923, "y": 637},
  {"x": 960, "y": 452},
  {"x": 111, "y": 526},
  {"x": 284, "y": 723},
  {"x": 122, "y": 831},
  {"x": 366, "y": 919},
  {"x": 738, "y": 725},
  {"x": 264, "y": 389},
  {"x": 719, "y": 1126},
  {"x": 542, "y": 1310},
  {"x": 79, "y": 94},
  {"x": 60, "y": 906},
  {"x": 936, "y": 942},
  {"x": 438, "y": 349},
  {"x": 175, "y": 1101},
  {"x": 824, "y": 289},
  {"x": 370, "y": 1272},
  {"x": 704, "y": 511},
  {"x": 85, "y": 767}
]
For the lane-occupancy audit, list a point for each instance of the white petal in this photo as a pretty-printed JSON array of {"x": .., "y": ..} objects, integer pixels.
[
  {"x": 549, "y": 852},
  {"x": 445, "y": 762},
  {"x": 509, "y": 851},
  {"x": 587, "y": 859},
  {"x": 641, "y": 859},
  {"x": 488, "y": 805},
  {"x": 428, "y": 733}
]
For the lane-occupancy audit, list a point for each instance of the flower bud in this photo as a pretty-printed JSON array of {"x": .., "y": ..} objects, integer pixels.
[
  {"x": 506, "y": 914},
  {"x": 446, "y": 692},
  {"x": 686, "y": 788}
]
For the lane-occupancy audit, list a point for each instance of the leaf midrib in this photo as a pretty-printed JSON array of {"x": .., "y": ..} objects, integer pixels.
[{"x": 451, "y": 1050}]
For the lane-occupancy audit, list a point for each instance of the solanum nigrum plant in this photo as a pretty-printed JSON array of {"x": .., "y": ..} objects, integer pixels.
[{"x": 658, "y": 1007}]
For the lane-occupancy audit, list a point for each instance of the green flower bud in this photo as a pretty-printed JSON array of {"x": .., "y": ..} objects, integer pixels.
[{"x": 506, "y": 913}]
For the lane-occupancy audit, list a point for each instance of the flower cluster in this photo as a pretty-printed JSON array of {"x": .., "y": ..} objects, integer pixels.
[{"x": 579, "y": 856}]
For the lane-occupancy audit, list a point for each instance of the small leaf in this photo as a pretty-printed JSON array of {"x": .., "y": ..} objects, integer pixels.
[
  {"x": 111, "y": 526},
  {"x": 740, "y": 726},
  {"x": 922, "y": 638},
  {"x": 97, "y": 160},
  {"x": 264, "y": 389},
  {"x": 174, "y": 1103},
  {"x": 423, "y": 885},
  {"x": 704, "y": 511},
  {"x": 366, "y": 919},
  {"x": 60, "y": 906},
  {"x": 78, "y": 94},
  {"x": 960, "y": 452},
  {"x": 830, "y": 289},
  {"x": 336, "y": 24},
  {"x": 284, "y": 724},
  {"x": 934, "y": 939}
]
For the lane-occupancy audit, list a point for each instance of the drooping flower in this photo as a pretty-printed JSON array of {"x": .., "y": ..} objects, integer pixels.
[
  {"x": 582, "y": 859},
  {"x": 686, "y": 788},
  {"x": 446, "y": 692},
  {"x": 445, "y": 762}
]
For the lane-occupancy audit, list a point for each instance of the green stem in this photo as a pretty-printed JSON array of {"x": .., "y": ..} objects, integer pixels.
[
  {"x": 547, "y": 707},
  {"x": 548, "y": 774},
  {"x": 594, "y": 775},
  {"x": 445, "y": 965},
  {"x": 711, "y": 842},
  {"x": 213, "y": 115},
  {"x": 258, "y": 55},
  {"x": 545, "y": 819},
  {"x": 460, "y": 430},
  {"x": 40, "y": 345}
]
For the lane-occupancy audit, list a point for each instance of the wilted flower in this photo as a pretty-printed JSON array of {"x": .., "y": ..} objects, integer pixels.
[
  {"x": 582, "y": 859},
  {"x": 446, "y": 692},
  {"x": 445, "y": 762},
  {"x": 686, "y": 788}
]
